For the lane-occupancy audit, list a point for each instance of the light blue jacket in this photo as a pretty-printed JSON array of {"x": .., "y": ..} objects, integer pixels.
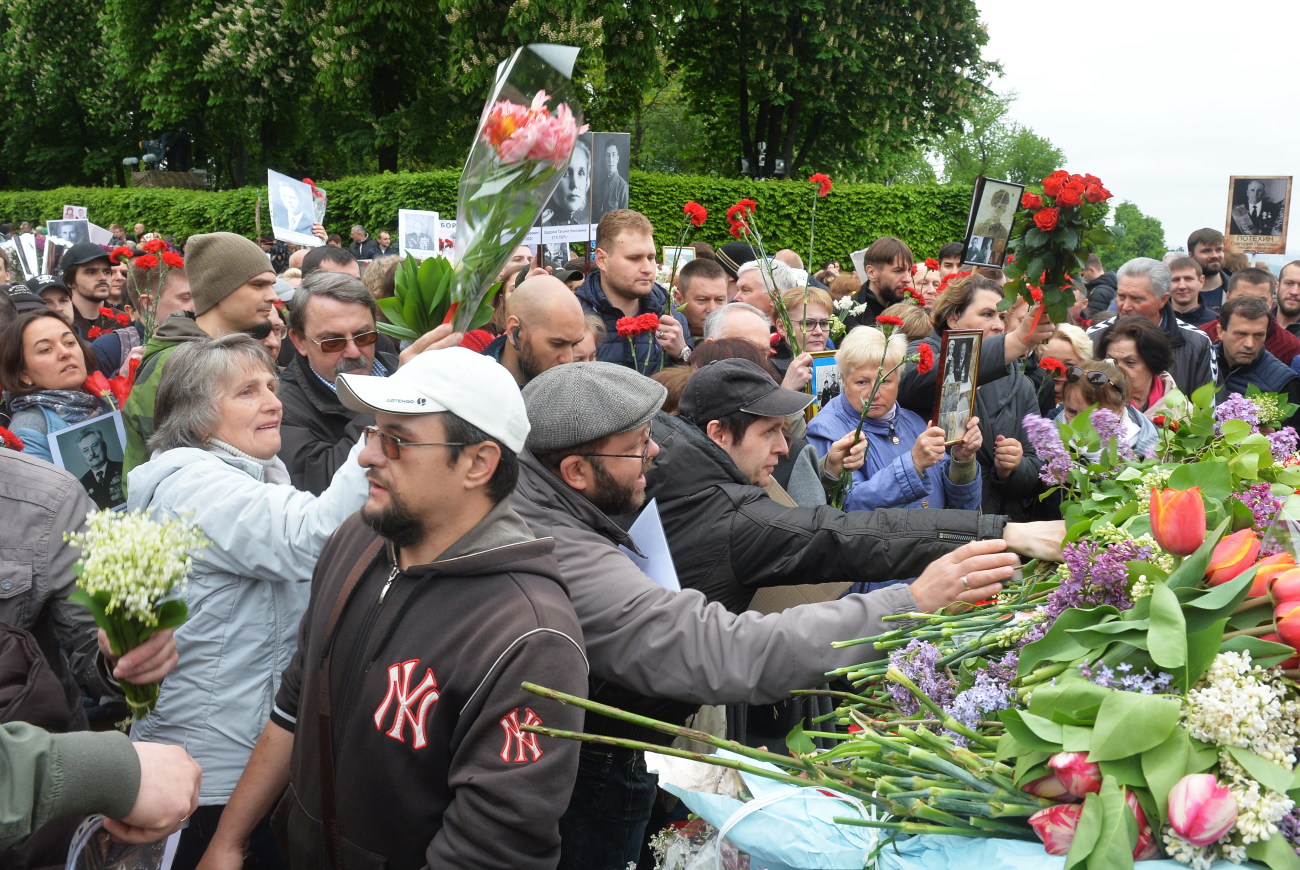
[
  {"x": 889, "y": 478},
  {"x": 246, "y": 594}
]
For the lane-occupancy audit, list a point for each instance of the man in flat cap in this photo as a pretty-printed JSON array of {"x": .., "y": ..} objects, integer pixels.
[{"x": 663, "y": 653}]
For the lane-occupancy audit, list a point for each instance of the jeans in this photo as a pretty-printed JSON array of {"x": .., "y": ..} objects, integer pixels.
[{"x": 605, "y": 824}]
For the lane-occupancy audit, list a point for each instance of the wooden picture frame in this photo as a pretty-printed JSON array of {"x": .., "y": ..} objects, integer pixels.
[
  {"x": 993, "y": 206},
  {"x": 1257, "y": 227},
  {"x": 956, "y": 379}
]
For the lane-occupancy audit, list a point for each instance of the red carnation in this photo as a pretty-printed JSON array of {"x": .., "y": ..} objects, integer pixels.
[
  {"x": 106, "y": 312},
  {"x": 889, "y": 320},
  {"x": 914, "y": 267},
  {"x": 94, "y": 332},
  {"x": 952, "y": 278},
  {"x": 10, "y": 440},
  {"x": 738, "y": 228},
  {"x": 648, "y": 322},
  {"x": 926, "y": 360},
  {"x": 912, "y": 295},
  {"x": 1045, "y": 220},
  {"x": 625, "y": 326},
  {"x": 696, "y": 212},
  {"x": 931, "y": 263},
  {"x": 122, "y": 319},
  {"x": 120, "y": 253},
  {"x": 146, "y": 261},
  {"x": 823, "y": 183},
  {"x": 155, "y": 246},
  {"x": 741, "y": 210},
  {"x": 1031, "y": 200},
  {"x": 173, "y": 260},
  {"x": 1051, "y": 364},
  {"x": 1036, "y": 294}
]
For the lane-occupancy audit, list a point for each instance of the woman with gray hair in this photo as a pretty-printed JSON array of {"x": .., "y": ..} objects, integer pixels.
[{"x": 214, "y": 461}]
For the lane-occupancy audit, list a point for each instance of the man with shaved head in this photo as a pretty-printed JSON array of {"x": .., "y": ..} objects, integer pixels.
[{"x": 545, "y": 323}]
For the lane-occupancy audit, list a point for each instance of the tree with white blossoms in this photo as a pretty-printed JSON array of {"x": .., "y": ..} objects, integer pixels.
[{"x": 131, "y": 570}]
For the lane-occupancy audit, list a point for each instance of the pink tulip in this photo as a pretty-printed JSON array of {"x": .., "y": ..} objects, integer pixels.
[
  {"x": 1055, "y": 826},
  {"x": 1077, "y": 774},
  {"x": 1200, "y": 810},
  {"x": 1145, "y": 849},
  {"x": 1047, "y": 787}
]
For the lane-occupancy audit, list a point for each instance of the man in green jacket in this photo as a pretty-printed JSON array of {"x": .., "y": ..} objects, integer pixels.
[
  {"x": 146, "y": 789},
  {"x": 233, "y": 288}
]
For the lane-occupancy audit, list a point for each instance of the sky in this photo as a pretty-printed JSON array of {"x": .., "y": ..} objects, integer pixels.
[{"x": 1159, "y": 98}]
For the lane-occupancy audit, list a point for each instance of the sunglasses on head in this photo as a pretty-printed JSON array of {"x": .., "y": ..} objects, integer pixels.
[
  {"x": 334, "y": 345},
  {"x": 1096, "y": 378}
]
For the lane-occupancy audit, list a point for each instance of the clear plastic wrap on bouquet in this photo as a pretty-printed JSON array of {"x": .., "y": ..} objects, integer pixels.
[{"x": 522, "y": 148}]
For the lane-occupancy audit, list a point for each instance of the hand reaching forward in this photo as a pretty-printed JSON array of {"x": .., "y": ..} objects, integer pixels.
[{"x": 970, "y": 573}]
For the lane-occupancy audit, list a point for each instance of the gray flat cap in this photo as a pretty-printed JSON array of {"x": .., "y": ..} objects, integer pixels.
[{"x": 575, "y": 403}]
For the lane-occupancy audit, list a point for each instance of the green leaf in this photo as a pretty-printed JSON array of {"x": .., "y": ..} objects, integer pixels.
[
  {"x": 1268, "y": 774},
  {"x": 1212, "y": 475},
  {"x": 1076, "y": 738},
  {"x": 1070, "y": 701},
  {"x": 1192, "y": 570},
  {"x": 171, "y": 613},
  {"x": 1167, "y": 640},
  {"x": 799, "y": 743},
  {"x": 1118, "y": 835},
  {"x": 1275, "y": 852},
  {"x": 1165, "y": 764},
  {"x": 1264, "y": 653},
  {"x": 1087, "y": 833},
  {"x": 1129, "y": 723},
  {"x": 1057, "y": 645},
  {"x": 1024, "y": 735},
  {"x": 1202, "y": 647},
  {"x": 1127, "y": 771}
]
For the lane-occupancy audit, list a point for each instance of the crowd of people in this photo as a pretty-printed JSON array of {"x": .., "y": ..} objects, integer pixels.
[{"x": 401, "y": 536}]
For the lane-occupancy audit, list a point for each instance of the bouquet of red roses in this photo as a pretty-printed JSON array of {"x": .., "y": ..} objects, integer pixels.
[{"x": 1052, "y": 236}]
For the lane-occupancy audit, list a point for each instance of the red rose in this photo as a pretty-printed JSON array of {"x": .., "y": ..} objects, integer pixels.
[
  {"x": 823, "y": 183},
  {"x": 931, "y": 263},
  {"x": 1051, "y": 364},
  {"x": 120, "y": 253},
  {"x": 1045, "y": 220},
  {"x": 122, "y": 319},
  {"x": 889, "y": 320},
  {"x": 1094, "y": 193},
  {"x": 10, "y": 440},
  {"x": 926, "y": 361},
  {"x": 696, "y": 212},
  {"x": 1055, "y": 183},
  {"x": 1069, "y": 198},
  {"x": 173, "y": 260},
  {"x": 1031, "y": 200},
  {"x": 155, "y": 246},
  {"x": 146, "y": 261}
]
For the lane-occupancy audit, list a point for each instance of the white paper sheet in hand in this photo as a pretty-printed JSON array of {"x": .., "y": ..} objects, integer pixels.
[{"x": 648, "y": 535}]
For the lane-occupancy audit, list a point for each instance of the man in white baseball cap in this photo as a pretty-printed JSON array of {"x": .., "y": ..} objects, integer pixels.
[{"x": 438, "y": 601}]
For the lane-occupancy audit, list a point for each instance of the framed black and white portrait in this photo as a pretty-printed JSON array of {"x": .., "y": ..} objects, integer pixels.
[
  {"x": 92, "y": 451},
  {"x": 293, "y": 210},
  {"x": 418, "y": 233},
  {"x": 958, "y": 367},
  {"x": 988, "y": 229},
  {"x": 71, "y": 231},
  {"x": 1257, "y": 213}
]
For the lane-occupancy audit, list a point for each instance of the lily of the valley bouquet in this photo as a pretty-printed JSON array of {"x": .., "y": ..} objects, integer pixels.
[
  {"x": 521, "y": 150},
  {"x": 130, "y": 572}
]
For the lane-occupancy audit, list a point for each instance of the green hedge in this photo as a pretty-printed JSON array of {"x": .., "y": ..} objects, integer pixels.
[{"x": 926, "y": 217}]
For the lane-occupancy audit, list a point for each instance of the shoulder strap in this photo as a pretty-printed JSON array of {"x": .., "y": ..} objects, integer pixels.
[{"x": 329, "y": 803}]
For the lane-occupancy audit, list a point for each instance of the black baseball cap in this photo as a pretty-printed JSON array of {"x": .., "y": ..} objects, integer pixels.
[
  {"x": 40, "y": 283},
  {"x": 726, "y": 386},
  {"x": 80, "y": 254},
  {"x": 23, "y": 299}
]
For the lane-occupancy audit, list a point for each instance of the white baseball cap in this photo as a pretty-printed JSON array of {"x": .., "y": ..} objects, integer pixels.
[{"x": 474, "y": 387}]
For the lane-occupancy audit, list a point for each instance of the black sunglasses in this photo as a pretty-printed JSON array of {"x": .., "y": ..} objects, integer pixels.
[
  {"x": 334, "y": 345},
  {"x": 1096, "y": 378}
]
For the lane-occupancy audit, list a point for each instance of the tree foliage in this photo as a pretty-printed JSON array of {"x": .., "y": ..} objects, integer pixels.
[
  {"x": 813, "y": 83},
  {"x": 1138, "y": 235},
  {"x": 854, "y": 88},
  {"x": 990, "y": 143}
]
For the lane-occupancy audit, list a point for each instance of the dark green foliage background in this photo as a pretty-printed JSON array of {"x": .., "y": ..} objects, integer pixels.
[{"x": 924, "y": 216}]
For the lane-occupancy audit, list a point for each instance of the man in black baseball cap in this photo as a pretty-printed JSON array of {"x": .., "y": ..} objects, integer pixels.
[
  {"x": 53, "y": 293},
  {"x": 88, "y": 273}
]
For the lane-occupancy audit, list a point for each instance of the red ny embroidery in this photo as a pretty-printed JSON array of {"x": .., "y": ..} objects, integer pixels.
[
  {"x": 412, "y": 705},
  {"x": 520, "y": 744}
]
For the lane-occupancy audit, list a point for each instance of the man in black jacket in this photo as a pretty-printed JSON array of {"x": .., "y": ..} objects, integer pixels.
[
  {"x": 1100, "y": 286},
  {"x": 439, "y": 603},
  {"x": 1243, "y": 358},
  {"x": 332, "y": 327},
  {"x": 888, "y": 263},
  {"x": 363, "y": 247}
]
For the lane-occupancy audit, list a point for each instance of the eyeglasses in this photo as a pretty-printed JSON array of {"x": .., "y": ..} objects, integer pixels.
[
  {"x": 1096, "y": 378},
  {"x": 645, "y": 451},
  {"x": 810, "y": 325},
  {"x": 334, "y": 345},
  {"x": 281, "y": 331},
  {"x": 392, "y": 446}
]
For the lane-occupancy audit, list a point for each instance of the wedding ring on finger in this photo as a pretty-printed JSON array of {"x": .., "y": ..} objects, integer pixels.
[{"x": 964, "y": 582}]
